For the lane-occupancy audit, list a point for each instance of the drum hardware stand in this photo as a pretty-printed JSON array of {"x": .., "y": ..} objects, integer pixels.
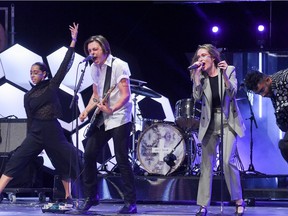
[
  {"x": 170, "y": 158},
  {"x": 140, "y": 83},
  {"x": 190, "y": 140},
  {"x": 103, "y": 167},
  {"x": 251, "y": 169},
  {"x": 198, "y": 153},
  {"x": 133, "y": 151}
]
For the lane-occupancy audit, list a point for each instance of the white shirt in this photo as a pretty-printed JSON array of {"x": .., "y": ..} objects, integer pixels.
[{"x": 120, "y": 70}]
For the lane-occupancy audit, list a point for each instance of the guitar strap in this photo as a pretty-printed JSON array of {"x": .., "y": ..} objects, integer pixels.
[{"x": 107, "y": 83}]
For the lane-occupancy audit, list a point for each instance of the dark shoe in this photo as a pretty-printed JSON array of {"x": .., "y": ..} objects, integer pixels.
[
  {"x": 128, "y": 209},
  {"x": 202, "y": 211},
  {"x": 240, "y": 209},
  {"x": 88, "y": 203},
  {"x": 69, "y": 201}
]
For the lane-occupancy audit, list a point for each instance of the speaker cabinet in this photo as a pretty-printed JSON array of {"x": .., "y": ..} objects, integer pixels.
[{"x": 12, "y": 133}]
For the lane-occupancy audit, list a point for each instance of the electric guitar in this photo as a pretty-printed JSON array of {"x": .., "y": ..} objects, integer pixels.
[{"x": 95, "y": 119}]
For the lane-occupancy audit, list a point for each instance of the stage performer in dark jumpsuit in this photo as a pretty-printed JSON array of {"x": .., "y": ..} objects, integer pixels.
[{"x": 44, "y": 132}]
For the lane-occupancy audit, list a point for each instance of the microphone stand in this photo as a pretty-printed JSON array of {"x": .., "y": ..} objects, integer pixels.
[
  {"x": 169, "y": 158},
  {"x": 74, "y": 102},
  {"x": 221, "y": 141},
  {"x": 251, "y": 169},
  {"x": 221, "y": 146}
]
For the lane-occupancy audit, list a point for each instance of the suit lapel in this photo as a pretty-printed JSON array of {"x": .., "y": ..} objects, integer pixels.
[{"x": 207, "y": 91}]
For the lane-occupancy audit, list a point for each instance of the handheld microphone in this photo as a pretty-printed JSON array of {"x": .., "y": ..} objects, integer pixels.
[
  {"x": 88, "y": 58},
  {"x": 194, "y": 66}
]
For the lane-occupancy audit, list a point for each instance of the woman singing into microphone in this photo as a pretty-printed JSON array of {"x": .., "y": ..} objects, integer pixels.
[{"x": 208, "y": 72}]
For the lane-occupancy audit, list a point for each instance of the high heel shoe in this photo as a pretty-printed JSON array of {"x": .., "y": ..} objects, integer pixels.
[
  {"x": 240, "y": 208},
  {"x": 202, "y": 211}
]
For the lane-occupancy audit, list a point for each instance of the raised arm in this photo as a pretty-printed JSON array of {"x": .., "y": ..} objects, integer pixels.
[{"x": 74, "y": 34}]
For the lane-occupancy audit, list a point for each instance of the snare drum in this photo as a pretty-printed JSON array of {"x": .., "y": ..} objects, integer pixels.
[
  {"x": 156, "y": 142},
  {"x": 187, "y": 114}
]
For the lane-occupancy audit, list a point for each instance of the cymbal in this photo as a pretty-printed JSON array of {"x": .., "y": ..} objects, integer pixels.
[
  {"x": 139, "y": 90},
  {"x": 139, "y": 82}
]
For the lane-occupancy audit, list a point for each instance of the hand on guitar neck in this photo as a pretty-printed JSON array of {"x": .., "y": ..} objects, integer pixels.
[{"x": 97, "y": 117}]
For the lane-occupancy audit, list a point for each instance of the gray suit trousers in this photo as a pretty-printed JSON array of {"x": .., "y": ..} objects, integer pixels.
[{"x": 210, "y": 143}]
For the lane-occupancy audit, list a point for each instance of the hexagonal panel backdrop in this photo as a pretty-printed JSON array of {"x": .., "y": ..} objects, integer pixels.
[{"x": 16, "y": 62}]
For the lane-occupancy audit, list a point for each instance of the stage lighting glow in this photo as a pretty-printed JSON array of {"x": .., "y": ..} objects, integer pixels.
[
  {"x": 261, "y": 28},
  {"x": 215, "y": 29},
  {"x": 281, "y": 134},
  {"x": 260, "y": 97}
]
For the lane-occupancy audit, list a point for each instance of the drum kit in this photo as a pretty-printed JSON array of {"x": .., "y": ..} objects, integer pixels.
[{"x": 167, "y": 148}]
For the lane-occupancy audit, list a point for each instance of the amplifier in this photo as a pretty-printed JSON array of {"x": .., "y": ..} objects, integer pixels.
[{"x": 12, "y": 133}]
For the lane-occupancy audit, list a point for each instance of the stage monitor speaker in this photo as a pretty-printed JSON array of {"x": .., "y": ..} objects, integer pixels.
[{"x": 12, "y": 133}]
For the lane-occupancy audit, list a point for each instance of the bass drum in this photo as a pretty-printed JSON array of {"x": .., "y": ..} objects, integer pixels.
[{"x": 155, "y": 145}]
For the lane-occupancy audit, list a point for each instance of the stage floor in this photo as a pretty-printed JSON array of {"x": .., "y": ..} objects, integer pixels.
[{"x": 30, "y": 206}]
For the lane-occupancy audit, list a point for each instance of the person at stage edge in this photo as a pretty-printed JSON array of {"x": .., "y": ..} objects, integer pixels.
[
  {"x": 207, "y": 78},
  {"x": 274, "y": 87},
  {"x": 44, "y": 132},
  {"x": 116, "y": 115}
]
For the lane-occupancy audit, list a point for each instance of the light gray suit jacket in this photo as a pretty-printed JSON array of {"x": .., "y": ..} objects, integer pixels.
[{"x": 231, "y": 111}]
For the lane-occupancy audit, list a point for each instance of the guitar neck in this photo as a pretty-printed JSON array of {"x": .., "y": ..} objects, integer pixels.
[{"x": 97, "y": 110}]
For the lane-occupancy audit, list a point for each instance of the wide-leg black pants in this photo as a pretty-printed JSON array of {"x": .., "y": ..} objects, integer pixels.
[{"x": 49, "y": 136}]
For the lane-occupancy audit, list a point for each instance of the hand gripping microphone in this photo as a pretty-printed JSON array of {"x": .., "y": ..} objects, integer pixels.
[{"x": 194, "y": 66}]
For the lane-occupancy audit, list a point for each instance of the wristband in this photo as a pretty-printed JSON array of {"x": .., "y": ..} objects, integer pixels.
[{"x": 74, "y": 39}]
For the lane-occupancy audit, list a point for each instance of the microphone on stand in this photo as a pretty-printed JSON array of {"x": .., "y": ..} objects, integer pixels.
[{"x": 88, "y": 58}]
